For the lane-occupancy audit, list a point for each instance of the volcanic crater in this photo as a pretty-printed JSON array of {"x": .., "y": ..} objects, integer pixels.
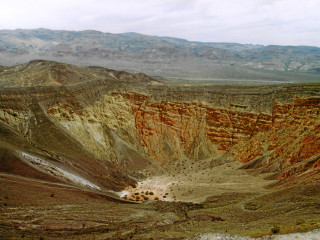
[{"x": 80, "y": 145}]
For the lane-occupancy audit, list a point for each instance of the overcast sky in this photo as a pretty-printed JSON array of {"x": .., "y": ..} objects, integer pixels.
[{"x": 283, "y": 22}]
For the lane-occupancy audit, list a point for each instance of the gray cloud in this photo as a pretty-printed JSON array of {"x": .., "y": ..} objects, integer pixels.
[{"x": 285, "y": 22}]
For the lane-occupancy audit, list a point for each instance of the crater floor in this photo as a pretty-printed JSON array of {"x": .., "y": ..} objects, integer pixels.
[{"x": 196, "y": 185}]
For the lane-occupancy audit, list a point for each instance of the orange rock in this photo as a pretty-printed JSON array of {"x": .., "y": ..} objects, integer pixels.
[{"x": 168, "y": 129}]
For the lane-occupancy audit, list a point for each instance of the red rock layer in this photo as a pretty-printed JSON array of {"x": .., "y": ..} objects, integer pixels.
[
  {"x": 293, "y": 140},
  {"x": 166, "y": 127},
  {"x": 226, "y": 128},
  {"x": 288, "y": 136},
  {"x": 184, "y": 120}
]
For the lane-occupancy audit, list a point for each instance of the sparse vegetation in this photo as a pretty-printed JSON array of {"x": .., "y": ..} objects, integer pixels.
[
  {"x": 300, "y": 222},
  {"x": 275, "y": 229}
]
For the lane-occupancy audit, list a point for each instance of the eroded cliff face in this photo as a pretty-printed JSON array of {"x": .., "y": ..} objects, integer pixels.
[
  {"x": 199, "y": 131},
  {"x": 171, "y": 130},
  {"x": 105, "y": 128},
  {"x": 291, "y": 146},
  {"x": 132, "y": 129},
  {"x": 126, "y": 123},
  {"x": 285, "y": 139}
]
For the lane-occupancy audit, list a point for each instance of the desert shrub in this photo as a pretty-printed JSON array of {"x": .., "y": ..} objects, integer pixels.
[
  {"x": 299, "y": 222},
  {"x": 216, "y": 219},
  {"x": 275, "y": 229},
  {"x": 52, "y": 195},
  {"x": 151, "y": 193}
]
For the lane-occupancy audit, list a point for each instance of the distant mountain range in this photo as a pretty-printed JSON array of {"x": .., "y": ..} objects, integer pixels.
[{"x": 161, "y": 56}]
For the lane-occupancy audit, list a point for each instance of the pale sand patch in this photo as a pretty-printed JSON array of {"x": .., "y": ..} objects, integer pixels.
[
  {"x": 196, "y": 187},
  {"x": 58, "y": 172},
  {"x": 154, "y": 188},
  {"x": 312, "y": 235}
]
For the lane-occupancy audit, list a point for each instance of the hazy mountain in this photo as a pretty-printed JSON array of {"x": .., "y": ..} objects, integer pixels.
[{"x": 157, "y": 56}]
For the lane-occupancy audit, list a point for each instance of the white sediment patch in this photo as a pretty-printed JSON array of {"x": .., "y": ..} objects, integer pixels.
[
  {"x": 58, "y": 172},
  {"x": 95, "y": 130},
  {"x": 123, "y": 193},
  {"x": 71, "y": 124},
  {"x": 312, "y": 235},
  {"x": 155, "y": 188},
  {"x": 112, "y": 75}
]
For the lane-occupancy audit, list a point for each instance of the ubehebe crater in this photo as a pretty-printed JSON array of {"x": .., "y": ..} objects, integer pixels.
[{"x": 93, "y": 153}]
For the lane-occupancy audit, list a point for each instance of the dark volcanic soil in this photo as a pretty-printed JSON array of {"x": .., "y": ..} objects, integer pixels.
[{"x": 32, "y": 209}]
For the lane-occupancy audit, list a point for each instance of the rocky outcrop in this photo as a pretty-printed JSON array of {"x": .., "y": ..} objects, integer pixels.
[
  {"x": 285, "y": 140},
  {"x": 180, "y": 125},
  {"x": 291, "y": 146},
  {"x": 106, "y": 129},
  {"x": 227, "y": 127},
  {"x": 171, "y": 130}
]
